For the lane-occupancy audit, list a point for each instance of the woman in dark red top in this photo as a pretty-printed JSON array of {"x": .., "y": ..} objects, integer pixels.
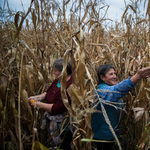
[
  {"x": 52, "y": 96},
  {"x": 54, "y": 105}
]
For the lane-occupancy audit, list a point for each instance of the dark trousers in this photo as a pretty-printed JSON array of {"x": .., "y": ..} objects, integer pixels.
[
  {"x": 66, "y": 137},
  {"x": 104, "y": 145}
]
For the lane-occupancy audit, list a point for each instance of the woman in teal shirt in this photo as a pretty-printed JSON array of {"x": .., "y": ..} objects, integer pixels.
[{"x": 109, "y": 91}]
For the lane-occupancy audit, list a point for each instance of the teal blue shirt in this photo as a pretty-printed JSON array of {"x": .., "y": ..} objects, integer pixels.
[{"x": 99, "y": 126}]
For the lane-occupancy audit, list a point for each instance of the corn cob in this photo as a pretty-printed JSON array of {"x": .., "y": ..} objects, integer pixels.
[{"x": 32, "y": 101}]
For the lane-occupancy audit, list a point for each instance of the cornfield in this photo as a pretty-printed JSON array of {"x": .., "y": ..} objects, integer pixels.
[{"x": 33, "y": 40}]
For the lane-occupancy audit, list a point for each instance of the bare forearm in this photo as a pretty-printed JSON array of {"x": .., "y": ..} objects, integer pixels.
[
  {"x": 38, "y": 97},
  {"x": 44, "y": 106},
  {"x": 41, "y": 96},
  {"x": 135, "y": 79}
]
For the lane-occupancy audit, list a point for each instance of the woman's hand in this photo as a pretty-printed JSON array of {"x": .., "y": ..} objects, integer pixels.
[
  {"x": 141, "y": 74},
  {"x": 36, "y": 104},
  {"x": 31, "y": 99},
  {"x": 37, "y": 97}
]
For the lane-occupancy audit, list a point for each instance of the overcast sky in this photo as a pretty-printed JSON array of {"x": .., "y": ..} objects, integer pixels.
[{"x": 115, "y": 10}]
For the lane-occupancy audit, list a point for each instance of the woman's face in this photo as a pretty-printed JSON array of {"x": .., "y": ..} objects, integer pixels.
[
  {"x": 57, "y": 73},
  {"x": 110, "y": 77}
]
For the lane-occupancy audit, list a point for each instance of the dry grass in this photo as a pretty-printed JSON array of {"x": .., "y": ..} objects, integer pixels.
[{"x": 27, "y": 53}]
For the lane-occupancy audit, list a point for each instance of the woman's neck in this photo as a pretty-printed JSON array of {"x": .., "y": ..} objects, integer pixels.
[{"x": 68, "y": 77}]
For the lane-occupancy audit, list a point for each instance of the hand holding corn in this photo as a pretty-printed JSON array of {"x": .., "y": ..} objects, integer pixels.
[{"x": 34, "y": 103}]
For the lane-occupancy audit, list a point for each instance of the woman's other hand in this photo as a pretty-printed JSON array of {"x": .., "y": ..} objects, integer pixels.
[
  {"x": 32, "y": 98},
  {"x": 141, "y": 74}
]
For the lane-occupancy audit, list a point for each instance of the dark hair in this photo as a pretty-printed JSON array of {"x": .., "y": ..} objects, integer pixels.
[
  {"x": 102, "y": 70},
  {"x": 58, "y": 65}
]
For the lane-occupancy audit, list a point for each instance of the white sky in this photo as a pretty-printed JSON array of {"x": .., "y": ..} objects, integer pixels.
[{"x": 115, "y": 11}]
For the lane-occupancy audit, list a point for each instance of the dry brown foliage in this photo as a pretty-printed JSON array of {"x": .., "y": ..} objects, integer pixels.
[{"x": 27, "y": 52}]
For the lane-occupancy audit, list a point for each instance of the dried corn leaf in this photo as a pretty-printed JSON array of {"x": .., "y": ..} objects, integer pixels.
[
  {"x": 143, "y": 20},
  {"x": 34, "y": 18},
  {"x": 16, "y": 20},
  {"x": 24, "y": 96},
  {"x": 85, "y": 14},
  {"x": 63, "y": 83},
  {"x": 145, "y": 136},
  {"x": 138, "y": 113},
  {"x": 38, "y": 146},
  {"x": 76, "y": 96},
  {"x": 127, "y": 10},
  {"x": 67, "y": 2},
  {"x": 30, "y": 54}
]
